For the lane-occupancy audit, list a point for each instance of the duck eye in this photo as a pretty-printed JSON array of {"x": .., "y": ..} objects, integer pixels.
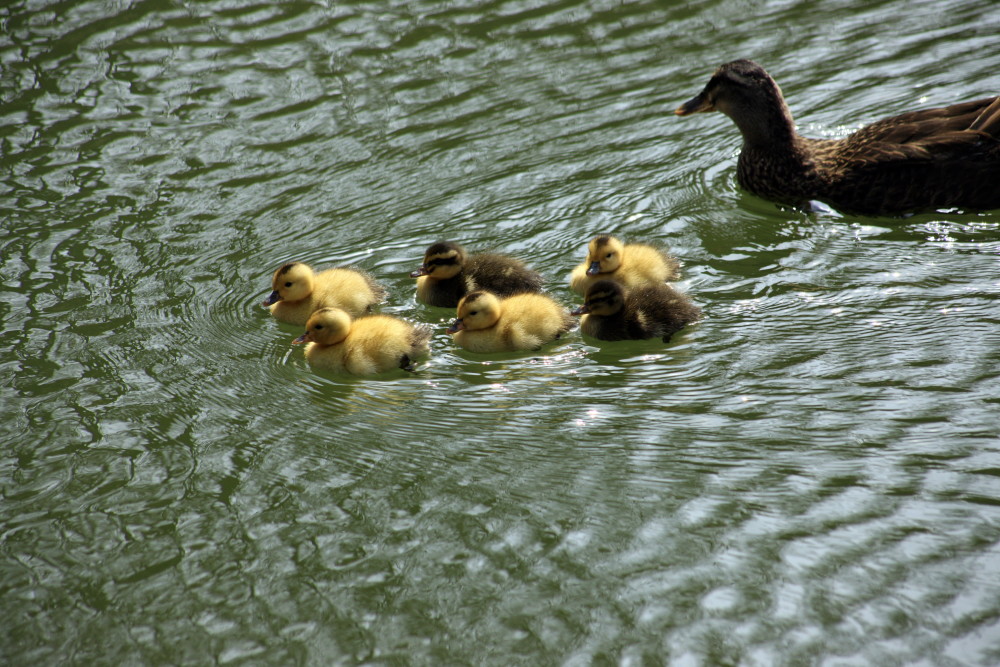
[
  {"x": 318, "y": 326},
  {"x": 608, "y": 256},
  {"x": 288, "y": 284}
]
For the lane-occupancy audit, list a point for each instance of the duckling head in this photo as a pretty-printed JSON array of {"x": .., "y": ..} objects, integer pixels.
[
  {"x": 604, "y": 255},
  {"x": 477, "y": 310},
  {"x": 441, "y": 261},
  {"x": 291, "y": 282},
  {"x": 605, "y": 297},
  {"x": 326, "y": 326}
]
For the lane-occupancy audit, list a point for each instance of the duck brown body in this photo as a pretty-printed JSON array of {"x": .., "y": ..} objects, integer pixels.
[
  {"x": 613, "y": 312},
  {"x": 918, "y": 161},
  {"x": 448, "y": 274}
]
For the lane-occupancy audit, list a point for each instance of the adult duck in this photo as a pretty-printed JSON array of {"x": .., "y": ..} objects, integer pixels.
[{"x": 918, "y": 161}]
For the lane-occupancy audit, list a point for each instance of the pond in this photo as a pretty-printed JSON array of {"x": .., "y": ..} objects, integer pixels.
[{"x": 810, "y": 474}]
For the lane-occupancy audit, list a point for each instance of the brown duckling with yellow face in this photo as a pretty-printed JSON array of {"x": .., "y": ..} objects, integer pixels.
[
  {"x": 366, "y": 346},
  {"x": 449, "y": 273},
  {"x": 612, "y": 312},
  {"x": 918, "y": 161},
  {"x": 298, "y": 291},
  {"x": 527, "y": 321},
  {"x": 631, "y": 265}
]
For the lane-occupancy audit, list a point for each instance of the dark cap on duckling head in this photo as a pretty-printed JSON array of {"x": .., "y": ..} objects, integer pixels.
[
  {"x": 275, "y": 297},
  {"x": 438, "y": 254}
]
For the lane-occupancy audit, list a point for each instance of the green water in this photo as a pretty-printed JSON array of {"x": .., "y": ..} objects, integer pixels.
[{"x": 808, "y": 476}]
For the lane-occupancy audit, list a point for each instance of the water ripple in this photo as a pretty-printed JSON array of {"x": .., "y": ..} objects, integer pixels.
[{"x": 808, "y": 471}]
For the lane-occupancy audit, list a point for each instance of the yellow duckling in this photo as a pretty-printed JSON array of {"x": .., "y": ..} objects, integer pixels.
[
  {"x": 521, "y": 322},
  {"x": 632, "y": 265},
  {"x": 298, "y": 291},
  {"x": 448, "y": 274},
  {"x": 612, "y": 312},
  {"x": 365, "y": 346}
]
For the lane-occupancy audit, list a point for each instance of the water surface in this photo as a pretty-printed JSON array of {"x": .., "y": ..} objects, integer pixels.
[{"x": 810, "y": 475}]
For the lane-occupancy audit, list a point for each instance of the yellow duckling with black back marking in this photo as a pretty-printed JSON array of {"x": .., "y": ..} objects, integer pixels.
[
  {"x": 631, "y": 265},
  {"x": 613, "y": 312},
  {"x": 298, "y": 291},
  {"x": 366, "y": 346},
  {"x": 521, "y": 322},
  {"x": 449, "y": 273}
]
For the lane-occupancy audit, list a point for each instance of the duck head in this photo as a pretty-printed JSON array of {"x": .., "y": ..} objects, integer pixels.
[
  {"x": 327, "y": 326},
  {"x": 744, "y": 91},
  {"x": 441, "y": 261},
  {"x": 477, "y": 310},
  {"x": 291, "y": 282},
  {"x": 605, "y": 297},
  {"x": 604, "y": 255}
]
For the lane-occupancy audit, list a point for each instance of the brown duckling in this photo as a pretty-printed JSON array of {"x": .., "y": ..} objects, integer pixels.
[
  {"x": 612, "y": 312},
  {"x": 526, "y": 321},
  {"x": 365, "y": 346},
  {"x": 918, "y": 161},
  {"x": 298, "y": 291},
  {"x": 448, "y": 274},
  {"x": 632, "y": 265}
]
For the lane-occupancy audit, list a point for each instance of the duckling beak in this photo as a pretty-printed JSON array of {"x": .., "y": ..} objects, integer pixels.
[
  {"x": 582, "y": 310},
  {"x": 422, "y": 271},
  {"x": 697, "y": 104},
  {"x": 594, "y": 269},
  {"x": 456, "y": 326},
  {"x": 304, "y": 338},
  {"x": 274, "y": 298}
]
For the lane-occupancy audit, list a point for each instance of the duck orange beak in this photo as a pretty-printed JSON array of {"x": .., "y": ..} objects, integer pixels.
[
  {"x": 304, "y": 338},
  {"x": 456, "y": 326},
  {"x": 697, "y": 104}
]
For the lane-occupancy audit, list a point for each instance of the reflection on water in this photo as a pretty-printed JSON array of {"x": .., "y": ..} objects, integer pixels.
[{"x": 808, "y": 474}]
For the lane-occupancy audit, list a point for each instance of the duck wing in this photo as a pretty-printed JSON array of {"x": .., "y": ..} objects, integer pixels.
[
  {"x": 979, "y": 115},
  {"x": 503, "y": 275},
  {"x": 949, "y": 169}
]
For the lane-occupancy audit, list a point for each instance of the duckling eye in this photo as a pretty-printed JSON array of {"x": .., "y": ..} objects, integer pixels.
[
  {"x": 318, "y": 326},
  {"x": 475, "y": 312},
  {"x": 288, "y": 284},
  {"x": 608, "y": 256}
]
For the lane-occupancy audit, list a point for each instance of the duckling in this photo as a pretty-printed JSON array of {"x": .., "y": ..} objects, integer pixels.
[
  {"x": 918, "y": 161},
  {"x": 448, "y": 274},
  {"x": 365, "y": 346},
  {"x": 612, "y": 312},
  {"x": 631, "y": 265},
  {"x": 521, "y": 322},
  {"x": 298, "y": 291}
]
